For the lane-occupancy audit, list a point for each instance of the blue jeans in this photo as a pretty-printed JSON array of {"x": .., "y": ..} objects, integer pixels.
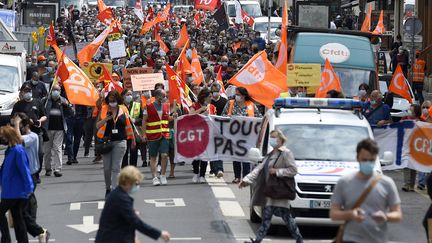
[
  {"x": 238, "y": 166},
  {"x": 422, "y": 178},
  {"x": 216, "y": 166},
  {"x": 73, "y": 136},
  {"x": 285, "y": 214}
]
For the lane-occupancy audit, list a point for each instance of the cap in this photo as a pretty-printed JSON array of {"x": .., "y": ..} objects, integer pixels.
[{"x": 41, "y": 58}]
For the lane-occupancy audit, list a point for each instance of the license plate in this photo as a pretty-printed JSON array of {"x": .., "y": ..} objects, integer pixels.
[{"x": 319, "y": 204}]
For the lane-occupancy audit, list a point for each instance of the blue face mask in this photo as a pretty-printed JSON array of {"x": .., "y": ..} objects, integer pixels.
[
  {"x": 134, "y": 189},
  {"x": 373, "y": 102},
  {"x": 367, "y": 167},
  {"x": 273, "y": 142}
]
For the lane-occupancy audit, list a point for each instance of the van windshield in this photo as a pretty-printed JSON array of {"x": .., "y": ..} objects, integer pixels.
[
  {"x": 323, "y": 142},
  {"x": 252, "y": 9},
  {"x": 351, "y": 80},
  {"x": 9, "y": 79},
  {"x": 116, "y": 3},
  {"x": 262, "y": 27}
]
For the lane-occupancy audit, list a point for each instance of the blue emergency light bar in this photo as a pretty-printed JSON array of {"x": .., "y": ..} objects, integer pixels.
[{"x": 323, "y": 103}]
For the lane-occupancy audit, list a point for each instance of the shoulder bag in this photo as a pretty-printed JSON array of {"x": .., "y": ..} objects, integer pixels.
[
  {"x": 279, "y": 187},
  {"x": 358, "y": 203}
]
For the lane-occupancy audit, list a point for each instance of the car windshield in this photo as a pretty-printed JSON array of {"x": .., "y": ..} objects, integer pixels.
[
  {"x": 9, "y": 80},
  {"x": 252, "y": 9},
  {"x": 351, "y": 80},
  {"x": 262, "y": 27},
  {"x": 117, "y": 3},
  {"x": 323, "y": 142}
]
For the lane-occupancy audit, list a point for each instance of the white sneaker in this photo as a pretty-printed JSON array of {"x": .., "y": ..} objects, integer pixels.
[
  {"x": 195, "y": 178},
  {"x": 202, "y": 180},
  {"x": 44, "y": 237},
  {"x": 163, "y": 180},
  {"x": 219, "y": 174},
  {"x": 156, "y": 181}
]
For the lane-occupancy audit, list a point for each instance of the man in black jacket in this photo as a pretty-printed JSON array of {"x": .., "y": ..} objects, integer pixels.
[{"x": 119, "y": 221}]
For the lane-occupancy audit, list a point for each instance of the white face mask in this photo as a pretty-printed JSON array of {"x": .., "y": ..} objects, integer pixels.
[
  {"x": 238, "y": 98},
  {"x": 113, "y": 104}
]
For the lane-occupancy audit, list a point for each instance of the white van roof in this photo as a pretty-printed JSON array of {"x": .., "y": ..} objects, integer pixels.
[{"x": 9, "y": 60}]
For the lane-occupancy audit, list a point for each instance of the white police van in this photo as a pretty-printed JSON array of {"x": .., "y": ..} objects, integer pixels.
[{"x": 323, "y": 136}]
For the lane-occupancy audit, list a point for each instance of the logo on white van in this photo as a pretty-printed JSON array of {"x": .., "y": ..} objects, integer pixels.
[{"x": 335, "y": 52}]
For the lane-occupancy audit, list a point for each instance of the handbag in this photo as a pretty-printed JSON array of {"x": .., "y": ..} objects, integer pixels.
[
  {"x": 358, "y": 203},
  {"x": 279, "y": 187},
  {"x": 103, "y": 145}
]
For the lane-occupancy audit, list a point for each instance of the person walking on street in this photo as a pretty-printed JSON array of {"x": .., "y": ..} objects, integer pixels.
[
  {"x": 241, "y": 106},
  {"x": 56, "y": 108},
  {"x": 135, "y": 115},
  {"x": 156, "y": 118},
  {"x": 202, "y": 106},
  {"x": 216, "y": 167},
  {"x": 419, "y": 71},
  {"x": 30, "y": 141},
  {"x": 75, "y": 125},
  {"x": 16, "y": 185},
  {"x": 375, "y": 111},
  {"x": 366, "y": 200},
  {"x": 38, "y": 88},
  {"x": 114, "y": 123},
  {"x": 119, "y": 220},
  {"x": 280, "y": 163}
]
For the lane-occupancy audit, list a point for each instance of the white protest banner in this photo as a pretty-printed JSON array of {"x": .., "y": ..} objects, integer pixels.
[
  {"x": 210, "y": 138},
  {"x": 410, "y": 142},
  {"x": 117, "y": 49},
  {"x": 142, "y": 82}
]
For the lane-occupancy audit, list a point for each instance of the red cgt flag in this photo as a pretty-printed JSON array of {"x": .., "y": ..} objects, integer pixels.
[
  {"x": 51, "y": 38},
  {"x": 247, "y": 19},
  {"x": 207, "y": 4}
]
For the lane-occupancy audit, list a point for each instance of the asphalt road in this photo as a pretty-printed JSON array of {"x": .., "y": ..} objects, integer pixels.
[{"x": 218, "y": 211}]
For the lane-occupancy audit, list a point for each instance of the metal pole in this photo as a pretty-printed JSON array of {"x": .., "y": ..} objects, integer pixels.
[
  {"x": 412, "y": 53},
  {"x": 269, "y": 19}
]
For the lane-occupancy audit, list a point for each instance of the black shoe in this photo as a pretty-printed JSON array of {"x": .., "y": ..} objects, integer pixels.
[
  {"x": 69, "y": 162},
  {"x": 144, "y": 164},
  {"x": 421, "y": 187},
  {"x": 38, "y": 180},
  {"x": 86, "y": 154},
  {"x": 181, "y": 163},
  {"x": 75, "y": 161},
  {"x": 98, "y": 158},
  {"x": 251, "y": 241},
  {"x": 107, "y": 192},
  {"x": 57, "y": 174},
  {"x": 48, "y": 173}
]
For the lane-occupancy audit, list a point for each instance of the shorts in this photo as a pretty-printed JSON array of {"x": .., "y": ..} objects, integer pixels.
[{"x": 158, "y": 146}]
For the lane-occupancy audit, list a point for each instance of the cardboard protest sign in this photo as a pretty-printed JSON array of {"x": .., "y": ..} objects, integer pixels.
[
  {"x": 117, "y": 49},
  {"x": 127, "y": 72},
  {"x": 141, "y": 82},
  {"x": 210, "y": 138}
]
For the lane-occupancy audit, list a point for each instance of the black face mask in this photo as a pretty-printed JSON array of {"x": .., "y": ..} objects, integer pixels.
[{"x": 4, "y": 141}]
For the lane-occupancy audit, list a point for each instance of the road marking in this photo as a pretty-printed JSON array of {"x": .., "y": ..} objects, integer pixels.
[
  {"x": 50, "y": 240},
  {"x": 87, "y": 226},
  {"x": 231, "y": 209},
  {"x": 77, "y": 205},
  {"x": 167, "y": 202},
  {"x": 172, "y": 239},
  {"x": 222, "y": 192}
]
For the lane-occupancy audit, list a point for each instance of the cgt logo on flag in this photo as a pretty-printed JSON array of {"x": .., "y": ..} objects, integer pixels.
[
  {"x": 253, "y": 73},
  {"x": 194, "y": 138}
]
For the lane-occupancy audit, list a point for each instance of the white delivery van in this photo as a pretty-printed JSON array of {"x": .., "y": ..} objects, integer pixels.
[
  {"x": 323, "y": 136},
  {"x": 12, "y": 69},
  {"x": 251, "y": 7}
]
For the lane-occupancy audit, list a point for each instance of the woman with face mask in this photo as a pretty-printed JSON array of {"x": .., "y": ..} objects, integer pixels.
[
  {"x": 135, "y": 114},
  {"x": 204, "y": 107},
  {"x": 279, "y": 162},
  {"x": 242, "y": 105},
  {"x": 119, "y": 214},
  {"x": 114, "y": 125}
]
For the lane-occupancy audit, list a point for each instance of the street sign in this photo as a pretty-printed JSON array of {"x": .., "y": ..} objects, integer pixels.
[
  {"x": 417, "y": 38},
  {"x": 413, "y": 26}
]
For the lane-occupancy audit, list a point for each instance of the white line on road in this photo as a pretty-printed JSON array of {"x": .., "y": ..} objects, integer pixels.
[
  {"x": 173, "y": 239},
  {"x": 50, "y": 240},
  {"x": 231, "y": 209},
  {"x": 77, "y": 205},
  {"x": 223, "y": 192}
]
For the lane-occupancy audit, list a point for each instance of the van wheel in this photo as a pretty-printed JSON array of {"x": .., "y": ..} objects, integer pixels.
[{"x": 254, "y": 217}]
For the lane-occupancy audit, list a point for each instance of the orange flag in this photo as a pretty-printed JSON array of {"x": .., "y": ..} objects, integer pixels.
[
  {"x": 101, "y": 6},
  {"x": 86, "y": 54},
  {"x": 184, "y": 66},
  {"x": 220, "y": 81},
  {"x": 380, "y": 29},
  {"x": 106, "y": 16},
  {"x": 236, "y": 46},
  {"x": 281, "y": 63},
  {"x": 263, "y": 81},
  {"x": 162, "y": 44},
  {"x": 399, "y": 85},
  {"x": 177, "y": 89},
  {"x": 197, "y": 73},
  {"x": 79, "y": 88},
  {"x": 183, "y": 38},
  {"x": 366, "y": 26},
  {"x": 329, "y": 81}
]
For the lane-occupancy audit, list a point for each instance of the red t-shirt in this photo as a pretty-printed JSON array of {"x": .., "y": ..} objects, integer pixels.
[{"x": 211, "y": 110}]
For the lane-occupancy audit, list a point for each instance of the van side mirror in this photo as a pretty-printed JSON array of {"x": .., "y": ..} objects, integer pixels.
[
  {"x": 387, "y": 158},
  {"x": 254, "y": 155}
]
